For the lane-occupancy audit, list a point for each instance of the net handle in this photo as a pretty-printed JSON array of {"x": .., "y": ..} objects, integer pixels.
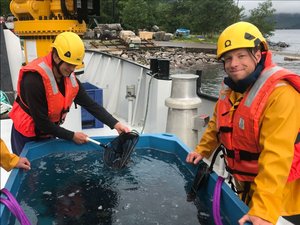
[{"x": 96, "y": 142}]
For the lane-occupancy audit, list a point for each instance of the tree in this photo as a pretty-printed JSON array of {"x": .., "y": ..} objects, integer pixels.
[
  {"x": 263, "y": 17},
  {"x": 134, "y": 14},
  {"x": 212, "y": 16},
  {"x": 108, "y": 11},
  {"x": 173, "y": 15},
  {"x": 4, "y": 6}
]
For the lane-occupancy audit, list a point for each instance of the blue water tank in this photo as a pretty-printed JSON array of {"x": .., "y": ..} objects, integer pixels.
[{"x": 87, "y": 120}]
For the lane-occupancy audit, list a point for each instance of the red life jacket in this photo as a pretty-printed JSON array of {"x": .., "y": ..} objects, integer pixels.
[
  {"x": 240, "y": 134},
  {"x": 58, "y": 105}
]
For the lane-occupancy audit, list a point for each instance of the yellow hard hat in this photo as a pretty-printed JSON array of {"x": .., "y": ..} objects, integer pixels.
[
  {"x": 240, "y": 35},
  {"x": 69, "y": 47}
]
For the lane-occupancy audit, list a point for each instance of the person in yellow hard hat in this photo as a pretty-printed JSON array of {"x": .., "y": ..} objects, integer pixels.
[
  {"x": 47, "y": 86},
  {"x": 8, "y": 160},
  {"x": 256, "y": 125}
]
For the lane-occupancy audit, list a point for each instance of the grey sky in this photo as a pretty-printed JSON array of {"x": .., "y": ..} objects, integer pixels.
[{"x": 281, "y": 6}]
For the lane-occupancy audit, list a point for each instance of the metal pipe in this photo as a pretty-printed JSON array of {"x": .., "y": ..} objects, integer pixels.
[{"x": 130, "y": 95}]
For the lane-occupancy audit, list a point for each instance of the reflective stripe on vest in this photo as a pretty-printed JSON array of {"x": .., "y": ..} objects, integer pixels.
[
  {"x": 50, "y": 75},
  {"x": 73, "y": 80},
  {"x": 259, "y": 83}
]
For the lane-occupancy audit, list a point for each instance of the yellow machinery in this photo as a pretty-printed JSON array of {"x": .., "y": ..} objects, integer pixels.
[{"x": 39, "y": 21}]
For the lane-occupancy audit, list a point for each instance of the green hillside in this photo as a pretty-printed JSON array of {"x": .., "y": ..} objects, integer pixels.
[{"x": 287, "y": 21}]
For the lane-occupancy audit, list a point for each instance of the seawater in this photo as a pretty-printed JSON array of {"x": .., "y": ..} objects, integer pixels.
[
  {"x": 77, "y": 188},
  {"x": 290, "y": 37},
  {"x": 213, "y": 74}
]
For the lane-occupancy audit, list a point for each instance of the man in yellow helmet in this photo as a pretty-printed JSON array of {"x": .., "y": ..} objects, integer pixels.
[
  {"x": 256, "y": 124},
  {"x": 46, "y": 89}
]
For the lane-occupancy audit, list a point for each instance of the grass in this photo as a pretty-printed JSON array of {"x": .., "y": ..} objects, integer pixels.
[{"x": 197, "y": 39}]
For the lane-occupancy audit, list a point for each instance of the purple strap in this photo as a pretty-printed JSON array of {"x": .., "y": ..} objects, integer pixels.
[
  {"x": 216, "y": 201},
  {"x": 14, "y": 207}
]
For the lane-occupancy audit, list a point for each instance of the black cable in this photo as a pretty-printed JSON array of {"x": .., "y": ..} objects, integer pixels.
[{"x": 147, "y": 103}]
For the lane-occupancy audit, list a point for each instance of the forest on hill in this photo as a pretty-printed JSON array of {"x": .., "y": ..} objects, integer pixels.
[
  {"x": 287, "y": 21},
  {"x": 196, "y": 15}
]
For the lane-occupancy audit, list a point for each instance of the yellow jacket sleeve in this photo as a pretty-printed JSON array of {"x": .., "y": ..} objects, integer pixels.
[
  {"x": 209, "y": 141},
  {"x": 280, "y": 122},
  {"x": 7, "y": 160}
]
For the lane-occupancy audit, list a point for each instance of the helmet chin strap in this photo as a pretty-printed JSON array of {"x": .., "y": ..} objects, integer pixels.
[
  {"x": 253, "y": 54},
  {"x": 57, "y": 65}
]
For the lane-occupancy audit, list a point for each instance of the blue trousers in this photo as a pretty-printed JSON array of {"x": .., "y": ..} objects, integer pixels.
[{"x": 18, "y": 140}]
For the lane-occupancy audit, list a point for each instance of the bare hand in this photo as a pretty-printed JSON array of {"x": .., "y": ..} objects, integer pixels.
[
  {"x": 80, "y": 138},
  {"x": 194, "y": 158},
  {"x": 255, "y": 220},
  {"x": 23, "y": 164},
  {"x": 121, "y": 128}
]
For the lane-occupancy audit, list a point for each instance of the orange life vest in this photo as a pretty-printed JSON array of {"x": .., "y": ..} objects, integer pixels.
[
  {"x": 239, "y": 134},
  {"x": 58, "y": 105}
]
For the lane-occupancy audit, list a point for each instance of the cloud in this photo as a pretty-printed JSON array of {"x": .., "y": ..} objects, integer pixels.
[{"x": 292, "y": 6}]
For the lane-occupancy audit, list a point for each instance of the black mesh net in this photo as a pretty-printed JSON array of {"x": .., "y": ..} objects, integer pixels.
[
  {"x": 200, "y": 179},
  {"x": 117, "y": 152}
]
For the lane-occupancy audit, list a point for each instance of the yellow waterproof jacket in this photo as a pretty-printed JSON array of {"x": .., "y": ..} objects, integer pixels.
[
  {"x": 7, "y": 160},
  {"x": 279, "y": 124}
]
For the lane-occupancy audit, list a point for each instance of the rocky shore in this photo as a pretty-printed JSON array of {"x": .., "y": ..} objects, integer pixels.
[{"x": 180, "y": 57}]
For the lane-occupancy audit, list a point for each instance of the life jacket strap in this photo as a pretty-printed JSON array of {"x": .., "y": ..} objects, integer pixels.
[
  {"x": 63, "y": 116},
  {"x": 22, "y": 105},
  {"x": 245, "y": 195},
  {"x": 245, "y": 192},
  {"x": 225, "y": 129},
  {"x": 242, "y": 155},
  {"x": 231, "y": 171}
]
